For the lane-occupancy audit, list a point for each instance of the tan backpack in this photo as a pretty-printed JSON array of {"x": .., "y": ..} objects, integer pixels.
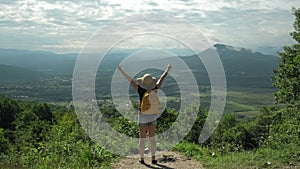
[{"x": 150, "y": 103}]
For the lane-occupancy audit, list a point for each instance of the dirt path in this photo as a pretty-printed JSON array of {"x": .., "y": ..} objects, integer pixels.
[{"x": 166, "y": 160}]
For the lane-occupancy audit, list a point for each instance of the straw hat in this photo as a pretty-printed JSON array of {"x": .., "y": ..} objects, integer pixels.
[{"x": 147, "y": 81}]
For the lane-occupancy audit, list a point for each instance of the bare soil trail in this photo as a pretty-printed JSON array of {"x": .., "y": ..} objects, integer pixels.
[{"x": 166, "y": 160}]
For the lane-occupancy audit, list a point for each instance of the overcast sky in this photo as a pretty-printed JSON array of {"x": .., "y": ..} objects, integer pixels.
[{"x": 65, "y": 26}]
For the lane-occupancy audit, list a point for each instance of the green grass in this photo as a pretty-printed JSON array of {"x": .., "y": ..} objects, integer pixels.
[
  {"x": 251, "y": 97},
  {"x": 245, "y": 103},
  {"x": 241, "y": 105},
  {"x": 247, "y": 115},
  {"x": 261, "y": 158}
]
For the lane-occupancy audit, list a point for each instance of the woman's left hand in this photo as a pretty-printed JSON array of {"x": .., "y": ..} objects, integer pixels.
[{"x": 169, "y": 67}]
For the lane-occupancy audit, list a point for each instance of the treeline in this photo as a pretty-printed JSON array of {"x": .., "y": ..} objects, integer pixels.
[{"x": 38, "y": 135}]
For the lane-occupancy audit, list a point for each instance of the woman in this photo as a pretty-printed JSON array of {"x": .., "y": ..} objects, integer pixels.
[{"x": 146, "y": 122}]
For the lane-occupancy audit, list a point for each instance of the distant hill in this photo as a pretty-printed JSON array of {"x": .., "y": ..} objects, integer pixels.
[
  {"x": 43, "y": 61},
  {"x": 243, "y": 67},
  {"x": 269, "y": 50},
  {"x": 16, "y": 73},
  {"x": 246, "y": 67}
]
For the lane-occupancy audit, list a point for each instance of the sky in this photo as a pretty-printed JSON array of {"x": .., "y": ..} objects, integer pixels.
[{"x": 65, "y": 26}]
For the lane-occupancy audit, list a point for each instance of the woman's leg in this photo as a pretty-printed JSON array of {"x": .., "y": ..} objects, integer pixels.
[
  {"x": 152, "y": 140},
  {"x": 142, "y": 140}
]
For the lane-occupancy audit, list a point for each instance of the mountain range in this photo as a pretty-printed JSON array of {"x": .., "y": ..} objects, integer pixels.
[{"x": 240, "y": 64}]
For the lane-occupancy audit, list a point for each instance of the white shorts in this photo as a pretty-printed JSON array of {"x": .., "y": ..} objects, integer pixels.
[{"x": 147, "y": 119}]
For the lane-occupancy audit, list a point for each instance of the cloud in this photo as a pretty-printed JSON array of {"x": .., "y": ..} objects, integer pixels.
[
  {"x": 247, "y": 23},
  {"x": 250, "y": 27}
]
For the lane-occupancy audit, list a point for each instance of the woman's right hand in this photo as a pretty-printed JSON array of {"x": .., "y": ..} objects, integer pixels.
[{"x": 119, "y": 67}]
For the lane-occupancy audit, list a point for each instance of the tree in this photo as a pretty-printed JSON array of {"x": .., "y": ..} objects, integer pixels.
[
  {"x": 287, "y": 77},
  {"x": 4, "y": 142},
  {"x": 43, "y": 111},
  {"x": 8, "y": 110},
  {"x": 282, "y": 125}
]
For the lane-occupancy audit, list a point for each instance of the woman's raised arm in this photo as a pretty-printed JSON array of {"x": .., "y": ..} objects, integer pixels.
[
  {"x": 163, "y": 76},
  {"x": 132, "y": 82}
]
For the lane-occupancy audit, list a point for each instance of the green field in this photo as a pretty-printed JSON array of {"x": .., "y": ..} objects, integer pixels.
[
  {"x": 248, "y": 102},
  {"x": 245, "y": 103}
]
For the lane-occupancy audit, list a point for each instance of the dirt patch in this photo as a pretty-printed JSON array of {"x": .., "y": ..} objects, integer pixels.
[{"x": 166, "y": 160}]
